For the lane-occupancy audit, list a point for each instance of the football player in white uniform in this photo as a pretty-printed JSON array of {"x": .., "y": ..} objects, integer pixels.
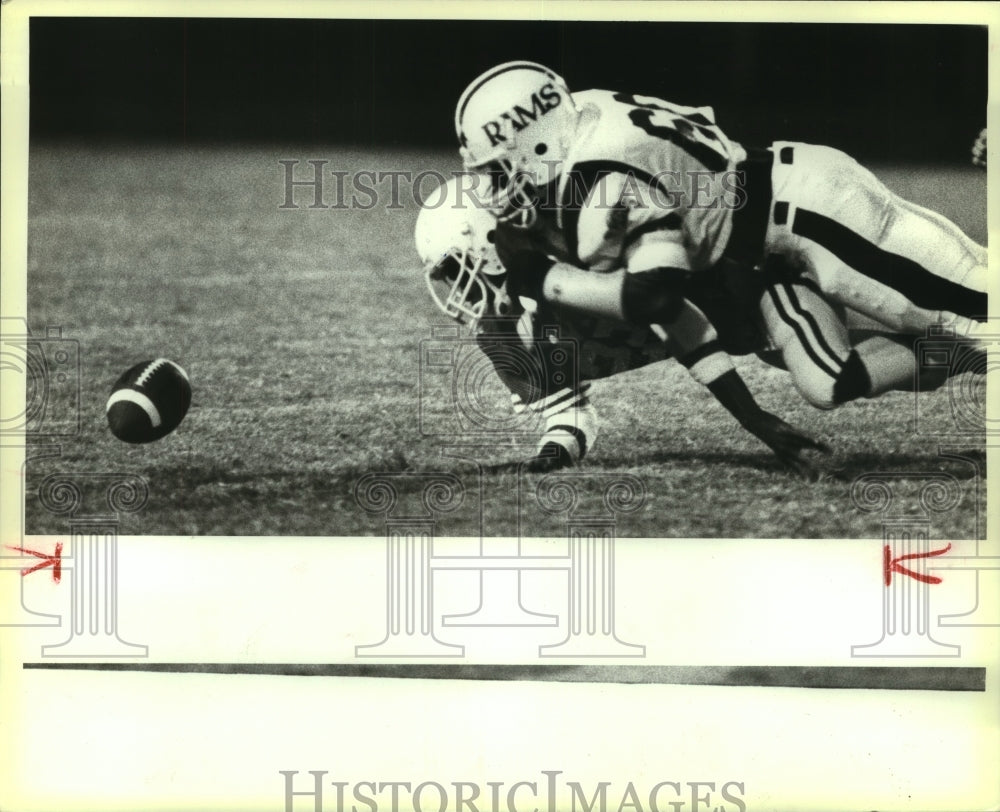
[
  {"x": 647, "y": 192},
  {"x": 455, "y": 239},
  {"x": 454, "y": 236}
]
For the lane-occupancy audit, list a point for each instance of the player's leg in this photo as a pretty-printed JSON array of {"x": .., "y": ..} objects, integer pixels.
[
  {"x": 872, "y": 251},
  {"x": 810, "y": 337},
  {"x": 904, "y": 265},
  {"x": 815, "y": 346}
]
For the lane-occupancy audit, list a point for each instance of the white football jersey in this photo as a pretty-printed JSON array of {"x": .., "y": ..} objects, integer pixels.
[{"x": 647, "y": 184}]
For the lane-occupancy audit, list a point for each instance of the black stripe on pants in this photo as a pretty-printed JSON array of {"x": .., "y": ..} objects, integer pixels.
[
  {"x": 800, "y": 333},
  {"x": 923, "y": 288}
]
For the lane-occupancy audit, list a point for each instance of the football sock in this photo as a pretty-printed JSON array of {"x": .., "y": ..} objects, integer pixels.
[{"x": 886, "y": 363}]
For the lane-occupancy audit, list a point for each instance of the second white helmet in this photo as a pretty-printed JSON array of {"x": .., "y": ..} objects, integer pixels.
[{"x": 454, "y": 238}]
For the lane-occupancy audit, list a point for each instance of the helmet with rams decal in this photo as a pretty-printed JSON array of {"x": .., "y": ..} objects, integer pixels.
[{"x": 516, "y": 123}]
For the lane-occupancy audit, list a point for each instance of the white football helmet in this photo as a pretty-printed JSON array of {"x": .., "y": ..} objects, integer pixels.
[
  {"x": 454, "y": 237},
  {"x": 516, "y": 122}
]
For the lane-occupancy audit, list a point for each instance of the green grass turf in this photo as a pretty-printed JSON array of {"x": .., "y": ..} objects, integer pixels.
[{"x": 301, "y": 329}]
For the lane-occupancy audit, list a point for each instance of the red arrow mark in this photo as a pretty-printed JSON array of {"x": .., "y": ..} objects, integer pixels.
[
  {"x": 54, "y": 561},
  {"x": 891, "y": 565}
]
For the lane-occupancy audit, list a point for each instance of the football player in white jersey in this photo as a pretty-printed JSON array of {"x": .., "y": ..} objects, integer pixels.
[
  {"x": 454, "y": 236},
  {"x": 647, "y": 192}
]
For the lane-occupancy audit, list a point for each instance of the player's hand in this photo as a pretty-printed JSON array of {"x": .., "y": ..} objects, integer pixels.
[
  {"x": 787, "y": 442},
  {"x": 550, "y": 457}
]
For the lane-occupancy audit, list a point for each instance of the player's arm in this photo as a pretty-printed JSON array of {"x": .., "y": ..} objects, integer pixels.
[{"x": 651, "y": 291}]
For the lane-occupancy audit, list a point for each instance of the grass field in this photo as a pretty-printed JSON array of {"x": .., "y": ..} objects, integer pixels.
[{"x": 301, "y": 329}]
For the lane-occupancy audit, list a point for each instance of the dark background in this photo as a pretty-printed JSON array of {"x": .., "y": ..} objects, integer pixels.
[{"x": 881, "y": 92}]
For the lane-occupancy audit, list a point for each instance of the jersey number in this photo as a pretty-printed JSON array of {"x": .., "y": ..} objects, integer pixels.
[{"x": 684, "y": 127}]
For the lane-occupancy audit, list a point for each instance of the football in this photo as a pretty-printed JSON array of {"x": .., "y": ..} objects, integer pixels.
[{"x": 148, "y": 401}]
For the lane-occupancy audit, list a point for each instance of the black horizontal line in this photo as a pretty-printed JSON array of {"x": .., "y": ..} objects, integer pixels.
[{"x": 898, "y": 678}]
